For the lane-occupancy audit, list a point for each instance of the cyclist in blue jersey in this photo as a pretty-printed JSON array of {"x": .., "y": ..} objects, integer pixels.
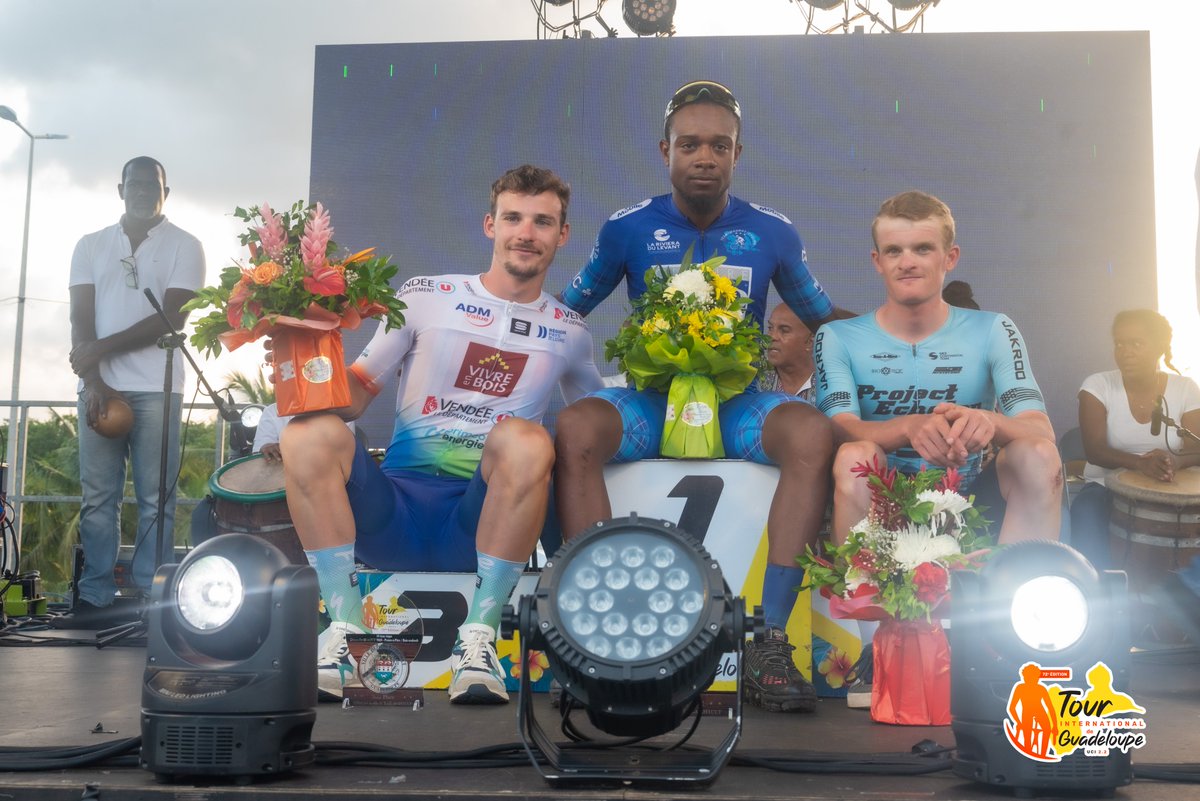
[
  {"x": 700, "y": 148},
  {"x": 923, "y": 383},
  {"x": 465, "y": 482}
]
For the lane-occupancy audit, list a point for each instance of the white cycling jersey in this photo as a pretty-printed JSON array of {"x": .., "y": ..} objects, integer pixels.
[{"x": 468, "y": 360}]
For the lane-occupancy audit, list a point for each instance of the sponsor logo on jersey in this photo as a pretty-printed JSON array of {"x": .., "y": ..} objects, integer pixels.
[
  {"x": 467, "y": 412},
  {"x": 569, "y": 317},
  {"x": 740, "y": 241},
  {"x": 1018, "y": 355},
  {"x": 909, "y": 400},
  {"x": 445, "y": 287},
  {"x": 415, "y": 286},
  {"x": 947, "y": 370},
  {"x": 522, "y": 327},
  {"x": 478, "y": 316},
  {"x": 490, "y": 370},
  {"x": 552, "y": 334},
  {"x": 888, "y": 370},
  {"x": 662, "y": 235},
  {"x": 630, "y": 209},
  {"x": 934, "y": 355},
  {"x": 884, "y": 356},
  {"x": 770, "y": 212}
]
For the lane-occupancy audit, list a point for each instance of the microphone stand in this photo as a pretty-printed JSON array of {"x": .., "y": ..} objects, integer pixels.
[
  {"x": 168, "y": 342},
  {"x": 1183, "y": 431}
]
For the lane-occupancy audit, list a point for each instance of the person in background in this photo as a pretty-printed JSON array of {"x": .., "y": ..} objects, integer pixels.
[
  {"x": 114, "y": 335},
  {"x": 789, "y": 354},
  {"x": 270, "y": 430},
  {"x": 1116, "y": 408}
]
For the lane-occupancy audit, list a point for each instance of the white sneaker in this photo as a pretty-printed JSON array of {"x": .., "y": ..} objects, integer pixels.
[
  {"x": 475, "y": 674},
  {"x": 336, "y": 668}
]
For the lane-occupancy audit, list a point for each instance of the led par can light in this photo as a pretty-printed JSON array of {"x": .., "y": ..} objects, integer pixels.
[
  {"x": 648, "y": 17},
  {"x": 634, "y": 617},
  {"x": 229, "y": 686}
]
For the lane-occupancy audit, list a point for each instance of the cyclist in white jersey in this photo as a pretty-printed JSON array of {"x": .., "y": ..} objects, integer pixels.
[
  {"x": 465, "y": 482},
  {"x": 878, "y": 378}
]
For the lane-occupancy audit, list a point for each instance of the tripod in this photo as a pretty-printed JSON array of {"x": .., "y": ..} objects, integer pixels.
[{"x": 168, "y": 342}]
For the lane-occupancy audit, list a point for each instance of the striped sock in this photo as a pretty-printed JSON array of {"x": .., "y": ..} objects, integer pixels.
[
  {"x": 495, "y": 580},
  {"x": 339, "y": 582}
]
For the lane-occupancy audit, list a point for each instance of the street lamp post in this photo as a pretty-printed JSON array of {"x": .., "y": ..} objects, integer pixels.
[{"x": 7, "y": 113}]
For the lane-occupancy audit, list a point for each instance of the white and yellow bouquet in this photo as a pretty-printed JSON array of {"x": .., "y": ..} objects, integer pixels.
[{"x": 689, "y": 336}]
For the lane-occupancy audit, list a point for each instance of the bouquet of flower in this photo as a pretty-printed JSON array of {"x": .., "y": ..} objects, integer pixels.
[
  {"x": 296, "y": 288},
  {"x": 895, "y": 567},
  {"x": 689, "y": 336},
  {"x": 897, "y": 561}
]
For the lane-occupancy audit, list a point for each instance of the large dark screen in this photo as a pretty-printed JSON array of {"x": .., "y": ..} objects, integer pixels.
[{"x": 1040, "y": 143}]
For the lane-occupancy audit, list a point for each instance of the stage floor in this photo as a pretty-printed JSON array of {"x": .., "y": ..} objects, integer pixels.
[{"x": 59, "y": 695}]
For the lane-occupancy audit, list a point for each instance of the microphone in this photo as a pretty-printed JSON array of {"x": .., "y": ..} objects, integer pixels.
[{"x": 1156, "y": 417}]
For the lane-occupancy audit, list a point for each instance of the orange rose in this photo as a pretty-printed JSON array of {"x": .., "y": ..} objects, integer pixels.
[{"x": 266, "y": 272}]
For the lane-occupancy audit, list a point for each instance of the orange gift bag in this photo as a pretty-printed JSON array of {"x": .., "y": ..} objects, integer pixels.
[{"x": 310, "y": 369}]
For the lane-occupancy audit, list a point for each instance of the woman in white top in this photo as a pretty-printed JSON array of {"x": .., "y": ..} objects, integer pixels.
[{"x": 1115, "y": 418}]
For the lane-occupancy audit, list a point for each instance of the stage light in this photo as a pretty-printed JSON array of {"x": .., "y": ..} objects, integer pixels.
[
  {"x": 634, "y": 617},
  {"x": 230, "y": 685},
  {"x": 560, "y": 2},
  {"x": 648, "y": 17},
  {"x": 1035, "y": 603},
  {"x": 907, "y": 5},
  {"x": 826, "y": 5}
]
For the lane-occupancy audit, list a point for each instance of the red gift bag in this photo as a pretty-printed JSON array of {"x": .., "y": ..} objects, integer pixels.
[
  {"x": 310, "y": 370},
  {"x": 911, "y": 685}
]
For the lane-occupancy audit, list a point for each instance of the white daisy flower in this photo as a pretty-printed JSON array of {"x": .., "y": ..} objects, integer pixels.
[
  {"x": 914, "y": 545},
  {"x": 690, "y": 282}
]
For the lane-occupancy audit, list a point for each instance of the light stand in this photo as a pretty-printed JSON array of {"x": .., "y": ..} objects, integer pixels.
[
  {"x": 168, "y": 342},
  {"x": 7, "y": 113}
]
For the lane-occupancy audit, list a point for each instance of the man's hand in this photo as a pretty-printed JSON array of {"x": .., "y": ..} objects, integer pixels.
[
  {"x": 971, "y": 430},
  {"x": 1158, "y": 465},
  {"x": 271, "y": 453},
  {"x": 85, "y": 358},
  {"x": 929, "y": 436},
  {"x": 95, "y": 394}
]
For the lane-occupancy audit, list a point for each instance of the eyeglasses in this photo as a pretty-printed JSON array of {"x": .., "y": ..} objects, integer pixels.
[
  {"x": 131, "y": 278},
  {"x": 709, "y": 91}
]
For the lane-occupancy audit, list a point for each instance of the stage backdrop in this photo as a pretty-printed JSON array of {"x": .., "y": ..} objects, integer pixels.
[{"x": 1040, "y": 143}]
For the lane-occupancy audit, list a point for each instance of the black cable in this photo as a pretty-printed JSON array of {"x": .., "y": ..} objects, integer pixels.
[{"x": 119, "y": 753}]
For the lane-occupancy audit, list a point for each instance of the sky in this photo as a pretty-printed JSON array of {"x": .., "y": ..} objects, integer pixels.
[{"x": 221, "y": 93}]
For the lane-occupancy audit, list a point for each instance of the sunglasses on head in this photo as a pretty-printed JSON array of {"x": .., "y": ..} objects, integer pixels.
[{"x": 703, "y": 91}]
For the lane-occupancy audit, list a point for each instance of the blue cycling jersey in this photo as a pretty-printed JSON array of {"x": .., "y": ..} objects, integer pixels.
[
  {"x": 976, "y": 359},
  {"x": 759, "y": 244}
]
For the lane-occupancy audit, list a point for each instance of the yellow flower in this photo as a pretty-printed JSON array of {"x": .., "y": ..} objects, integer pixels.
[
  {"x": 724, "y": 289},
  {"x": 648, "y": 328}
]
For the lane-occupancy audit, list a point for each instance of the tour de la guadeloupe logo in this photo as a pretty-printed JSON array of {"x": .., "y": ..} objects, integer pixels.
[{"x": 1049, "y": 721}]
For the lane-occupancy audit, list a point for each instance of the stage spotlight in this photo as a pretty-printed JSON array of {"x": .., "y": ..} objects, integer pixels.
[
  {"x": 560, "y": 2},
  {"x": 230, "y": 685},
  {"x": 826, "y": 5},
  {"x": 907, "y": 5},
  {"x": 634, "y": 617},
  {"x": 648, "y": 17},
  {"x": 1034, "y": 634}
]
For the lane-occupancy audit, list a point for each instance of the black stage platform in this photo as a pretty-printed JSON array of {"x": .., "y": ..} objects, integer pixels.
[{"x": 52, "y": 696}]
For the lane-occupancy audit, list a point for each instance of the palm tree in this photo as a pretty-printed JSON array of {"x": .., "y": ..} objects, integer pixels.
[{"x": 256, "y": 390}]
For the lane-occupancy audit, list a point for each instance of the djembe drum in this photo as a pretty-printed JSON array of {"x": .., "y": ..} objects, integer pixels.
[
  {"x": 248, "y": 497},
  {"x": 1154, "y": 526}
]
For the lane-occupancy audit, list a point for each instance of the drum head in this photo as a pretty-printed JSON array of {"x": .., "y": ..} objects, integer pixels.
[
  {"x": 1183, "y": 491},
  {"x": 251, "y": 479}
]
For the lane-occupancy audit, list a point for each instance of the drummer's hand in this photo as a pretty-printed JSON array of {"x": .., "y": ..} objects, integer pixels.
[
  {"x": 269, "y": 358},
  {"x": 271, "y": 452},
  {"x": 1157, "y": 464}
]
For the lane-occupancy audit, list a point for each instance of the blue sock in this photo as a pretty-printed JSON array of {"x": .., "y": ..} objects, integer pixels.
[
  {"x": 495, "y": 580},
  {"x": 781, "y": 585},
  {"x": 339, "y": 582}
]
